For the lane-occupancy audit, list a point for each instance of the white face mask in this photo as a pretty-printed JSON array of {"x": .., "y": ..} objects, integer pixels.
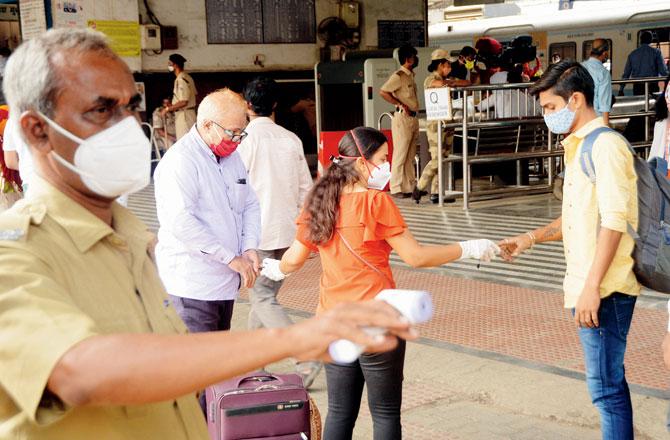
[
  {"x": 380, "y": 176},
  {"x": 113, "y": 162},
  {"x": 171, "y": 68}
]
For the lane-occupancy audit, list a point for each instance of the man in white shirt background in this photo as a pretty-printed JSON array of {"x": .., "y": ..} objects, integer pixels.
[
  {"x": 275, "y": 161},
  {"x": 209, "y": 216},
  {"x": 17, "y": 153}
]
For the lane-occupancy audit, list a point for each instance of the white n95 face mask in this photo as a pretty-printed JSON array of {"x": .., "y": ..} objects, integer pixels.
[
  {"x": 380, "y": 176},
  {"x": 113, "y": 162}
]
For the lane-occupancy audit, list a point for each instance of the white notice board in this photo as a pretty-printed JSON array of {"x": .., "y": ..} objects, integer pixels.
[
  {"x": 438, "y": 103},
  {"x": 33, "y": 19}
]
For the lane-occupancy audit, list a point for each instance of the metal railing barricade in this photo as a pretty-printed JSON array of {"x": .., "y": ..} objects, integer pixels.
[{"x": 525, "y": 113}]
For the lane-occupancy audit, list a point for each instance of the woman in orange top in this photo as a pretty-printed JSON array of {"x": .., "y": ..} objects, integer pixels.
[{"x": 354, "y": 226}]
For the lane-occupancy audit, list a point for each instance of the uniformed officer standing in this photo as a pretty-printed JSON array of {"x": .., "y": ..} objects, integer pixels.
[
  {"x": 400, "y": 90},
  {"x": 183, "y": 96},
  {"x": 91, "y": 348},
  {"x": 440, "y": 68}
]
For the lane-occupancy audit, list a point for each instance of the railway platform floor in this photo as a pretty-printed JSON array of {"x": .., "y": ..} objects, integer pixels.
[{"x": 501, "y": 358}]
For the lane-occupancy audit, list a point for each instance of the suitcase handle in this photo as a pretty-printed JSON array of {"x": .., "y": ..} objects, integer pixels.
[
  {"x": 267, "y": 387},
  {"x": 259, "y": 378}
]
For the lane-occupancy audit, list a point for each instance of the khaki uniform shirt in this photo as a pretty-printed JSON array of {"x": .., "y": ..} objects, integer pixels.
[
  {"x": 66, "y": 276},
  {"x": 611, "y": 203},
  {"x": 431, "y": 126},
  {"x": 184, "y": 90},
  {"x": 401, "y": 84},
  {"x": 430, "y": 78}
]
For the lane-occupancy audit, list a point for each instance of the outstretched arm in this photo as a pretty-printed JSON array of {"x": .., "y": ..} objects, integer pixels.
[
  {"x": 514, "y": 246},
  {"x": 418, "y": 255},
  {"x": 128, "y": 369}
]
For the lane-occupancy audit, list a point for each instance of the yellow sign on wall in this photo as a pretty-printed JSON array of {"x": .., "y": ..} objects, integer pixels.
[{"x": 124, "y": 36}]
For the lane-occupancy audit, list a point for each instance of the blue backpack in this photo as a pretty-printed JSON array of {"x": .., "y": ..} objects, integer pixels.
[{"x": 652, "y": 237}]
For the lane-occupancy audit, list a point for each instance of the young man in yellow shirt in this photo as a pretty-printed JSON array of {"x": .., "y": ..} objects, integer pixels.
[{"x": 599, "y": 283}]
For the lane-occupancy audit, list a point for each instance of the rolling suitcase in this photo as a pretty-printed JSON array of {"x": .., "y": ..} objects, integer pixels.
[{"x": 259, "y": 406}]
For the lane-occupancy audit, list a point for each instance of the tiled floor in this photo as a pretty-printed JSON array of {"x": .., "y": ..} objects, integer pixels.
[
  {"x": 519, "y": 323},
  {"x": 509, "y": 313},
  {"x": 513, "y": 310}
]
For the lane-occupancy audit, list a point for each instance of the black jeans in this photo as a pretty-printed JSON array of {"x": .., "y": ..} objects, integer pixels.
[{"x": 382, "y": 372}]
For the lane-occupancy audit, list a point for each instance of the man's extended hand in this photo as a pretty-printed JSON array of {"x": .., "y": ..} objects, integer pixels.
[
  {"x": 586, "y": 311},
  {"x": 514, "y": 246},
  {"x": 346, "y": 321},
  {"x": 245, "y": 268}
]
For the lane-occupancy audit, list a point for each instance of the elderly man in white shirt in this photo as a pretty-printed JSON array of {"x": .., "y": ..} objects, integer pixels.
[
  {"x": 278, "y": 173},
  {"x": 209, "y": 216}
]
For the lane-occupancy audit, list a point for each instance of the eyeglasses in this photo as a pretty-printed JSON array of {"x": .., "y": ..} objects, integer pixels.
[{"x": 235, "y": 137}]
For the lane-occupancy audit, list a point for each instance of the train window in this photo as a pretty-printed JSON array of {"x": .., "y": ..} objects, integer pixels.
[
  {"x": 661, "y": 40},
  {"x": 562, "y": 51},
  {"x": 586, "y": 52}
]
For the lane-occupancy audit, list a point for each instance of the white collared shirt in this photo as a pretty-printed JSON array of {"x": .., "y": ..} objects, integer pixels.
[
  {"x": 510, "y": 103},
  {"x": 275, "y": 162},
  {"x": 208, "y": 215},
  {"x": 13, "y": 141}
]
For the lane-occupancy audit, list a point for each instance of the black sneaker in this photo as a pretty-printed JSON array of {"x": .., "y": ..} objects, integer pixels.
[
  {"x": 417, "y": 194},
  {"x": 435, "y": 198}
]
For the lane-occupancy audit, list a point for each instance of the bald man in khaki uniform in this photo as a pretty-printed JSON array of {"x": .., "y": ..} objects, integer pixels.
[
  {"x": 400, "y": 90},
  {"x": 183, "y": 96}
]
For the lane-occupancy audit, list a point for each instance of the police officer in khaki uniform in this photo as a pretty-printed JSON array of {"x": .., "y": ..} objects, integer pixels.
[
  {"x": 91, "y": 347},
  {"x": 440, "y": 68},
  {"x": 183, "y": 96},
  {"x": 400, "y": 90}
]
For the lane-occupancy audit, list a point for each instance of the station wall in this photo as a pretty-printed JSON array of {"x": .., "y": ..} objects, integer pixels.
[
  {"x": 77, "y": 13},
  {"x": 189, "y": 17}
]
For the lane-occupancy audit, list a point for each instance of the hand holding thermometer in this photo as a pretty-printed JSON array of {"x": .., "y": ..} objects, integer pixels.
[{"x": 415, "y": 305}]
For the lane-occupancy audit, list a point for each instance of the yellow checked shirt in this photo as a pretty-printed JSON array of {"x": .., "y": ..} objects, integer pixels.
[
  {"x": 401, "y": 84},
  {"x": 611, "y": 203},
  {"x": 65, "y": 276}
]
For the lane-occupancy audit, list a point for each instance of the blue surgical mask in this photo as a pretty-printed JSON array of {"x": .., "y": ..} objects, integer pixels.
[{"x": 559, "y": 122}]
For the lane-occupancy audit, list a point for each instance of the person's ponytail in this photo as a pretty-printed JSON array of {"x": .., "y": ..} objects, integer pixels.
[{"x": 323, "y": 201}]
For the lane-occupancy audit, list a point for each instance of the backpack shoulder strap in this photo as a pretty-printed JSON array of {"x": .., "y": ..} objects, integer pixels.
[{"x": 586, "y": 155}]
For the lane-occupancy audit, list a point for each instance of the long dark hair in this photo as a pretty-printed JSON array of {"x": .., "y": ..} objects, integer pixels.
[{"x": 323, "y": 200}]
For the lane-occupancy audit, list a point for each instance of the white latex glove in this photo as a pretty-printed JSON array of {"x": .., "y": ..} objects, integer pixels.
[
  {"x": 481, "y": 249},
  {"x": 271, "y": 270}
]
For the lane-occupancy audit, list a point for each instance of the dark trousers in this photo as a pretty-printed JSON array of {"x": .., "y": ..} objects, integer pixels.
[
  {"x": 382, "y": 372},
  {"x": 204, "y": 316},
  {"x": 638, "y": 88}
]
